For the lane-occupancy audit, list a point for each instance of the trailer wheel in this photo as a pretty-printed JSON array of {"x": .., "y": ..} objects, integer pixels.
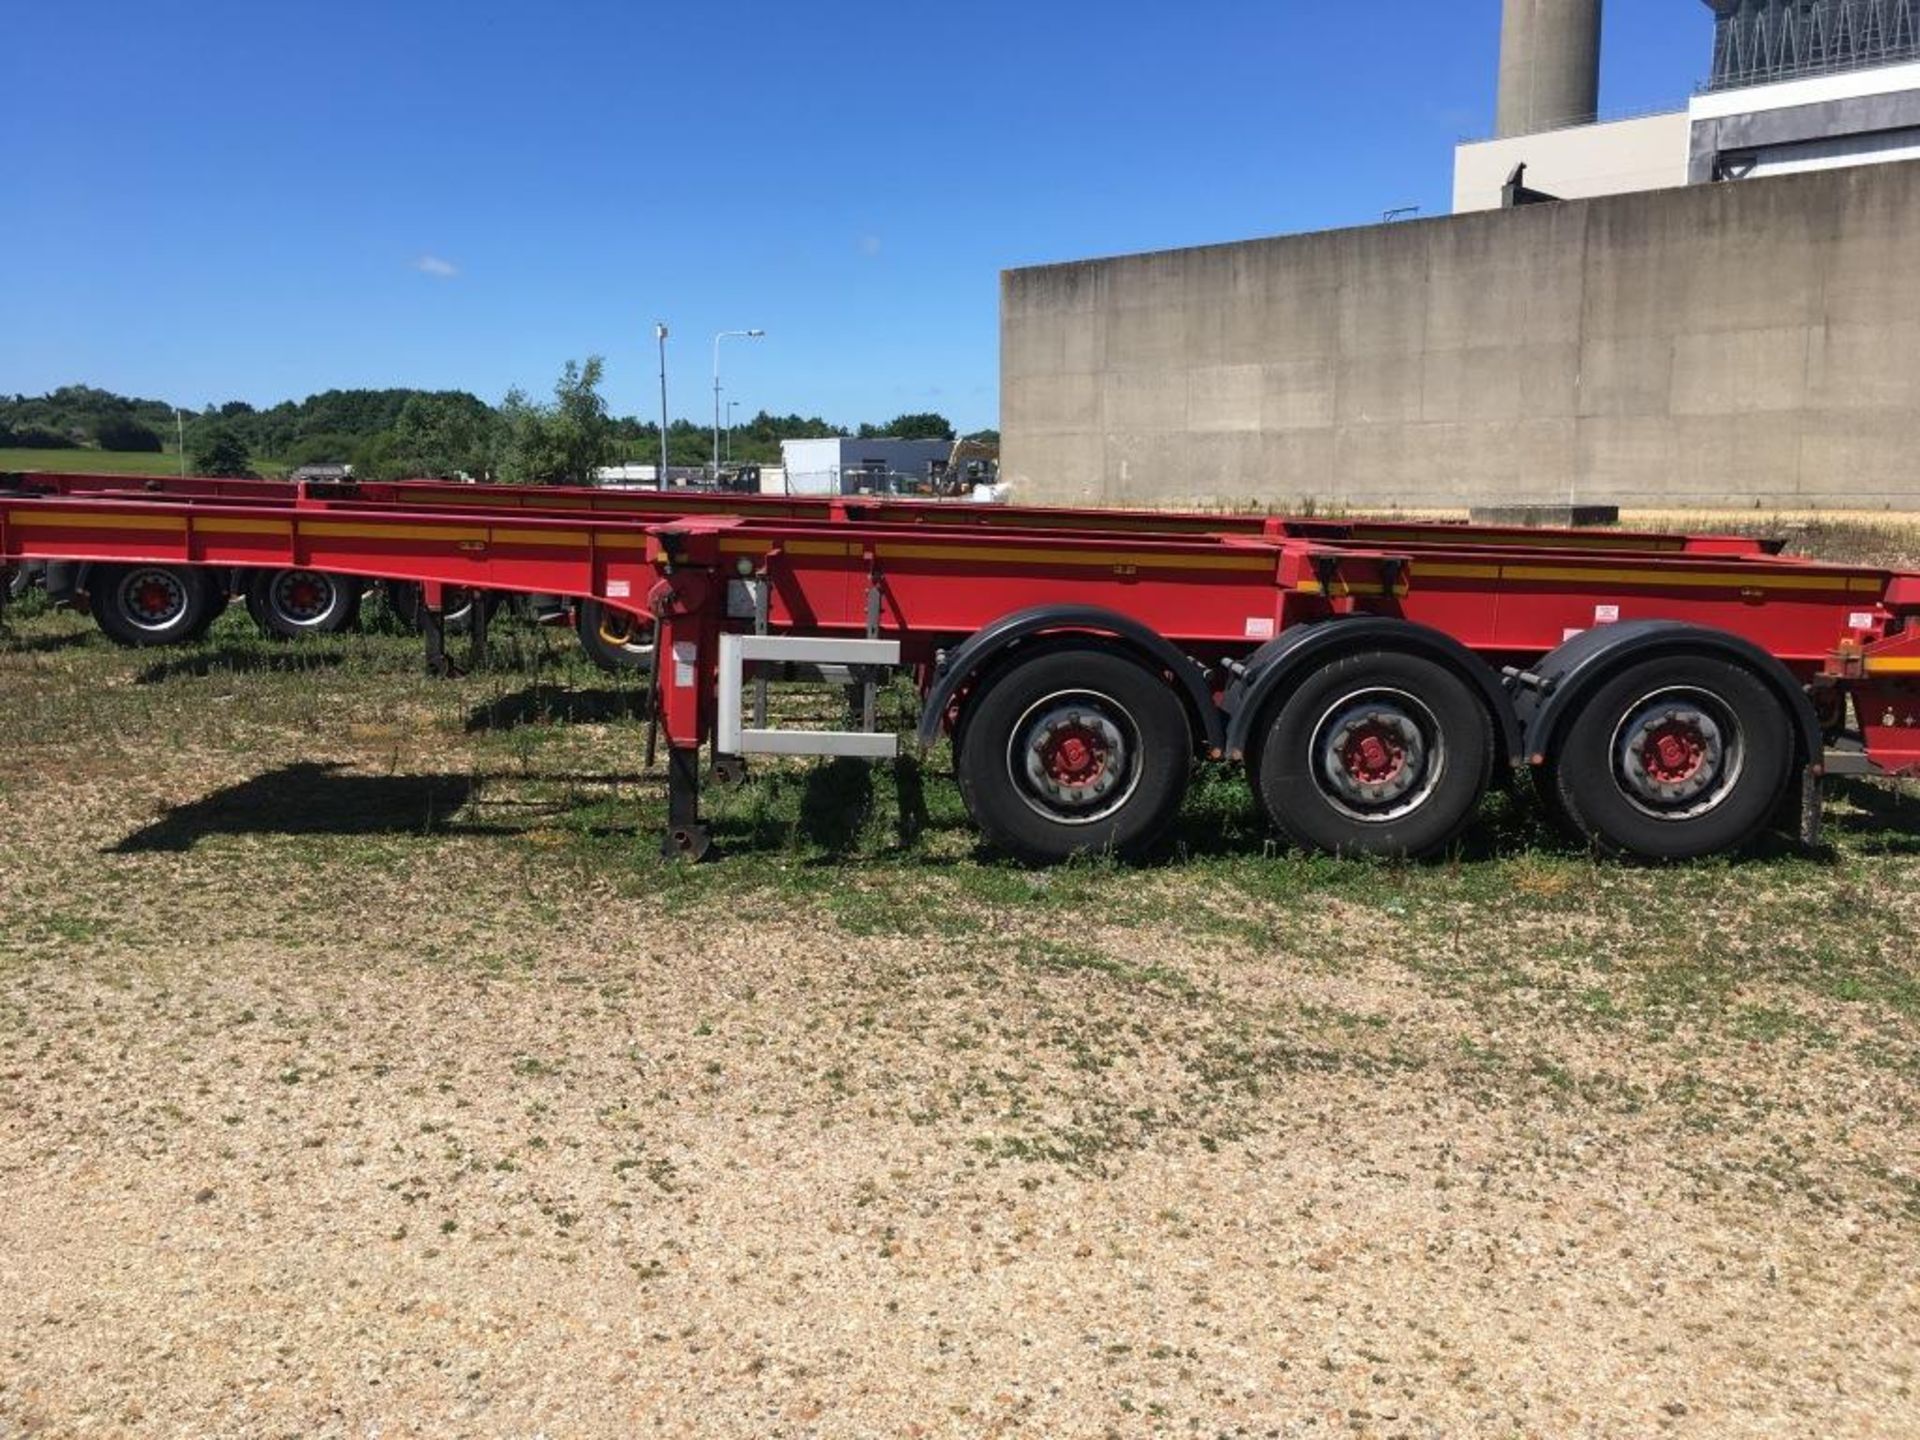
[
  {"x": 1075, "y": 749},
  {"x": 293, "y": 603},
  {"x": 146, "y": 605},
  {"x": 405, "y": 600},
  {"x": 1377, "y": 753},
  {"x": 615, "y": 640},
  {"x": 1674, "y": 758}
]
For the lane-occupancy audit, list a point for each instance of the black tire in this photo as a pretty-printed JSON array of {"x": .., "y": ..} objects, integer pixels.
[
  {"x": 1074, "y": 749},
  {"x": 1674, "y": 758},
  {"x": 149, "y": 605},
  {"x": 217, "y": 601},
  {"x": 1376, "y": 753},
  {"x": 290, "y": 604},
  {"x": 618, "y": 642},
  {"x": 403, "y": 598}
]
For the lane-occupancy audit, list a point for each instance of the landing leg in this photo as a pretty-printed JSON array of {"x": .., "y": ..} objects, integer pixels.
[
  {"x": 433, "y": 630},
  {"x": 477, "y": 636},
  {"x": 687, "y": 836}
]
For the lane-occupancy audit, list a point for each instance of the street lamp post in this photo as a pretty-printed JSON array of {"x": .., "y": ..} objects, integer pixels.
[
  {"x": 180, "y": 440},
  {"x": 660, "y": 334},
  {"x": 724, "y": 334}
]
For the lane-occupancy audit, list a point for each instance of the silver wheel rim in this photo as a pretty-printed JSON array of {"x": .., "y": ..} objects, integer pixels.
[
  {"x": 303, "y": 598},
  {"x": 1677, "y": 753},
  {"x": 151, "y": 600},
  {"x": 639, "y": 651},
  {"x": 1074, "y": 757},
  {"x": 1377, "y": 755}
]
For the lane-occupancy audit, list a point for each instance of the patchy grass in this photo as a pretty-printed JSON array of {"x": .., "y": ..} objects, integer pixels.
[{"x": 374, "y": 985}]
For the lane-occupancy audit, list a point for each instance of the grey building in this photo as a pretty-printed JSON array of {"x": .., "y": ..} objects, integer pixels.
[{"x": 1745, "y": 344}]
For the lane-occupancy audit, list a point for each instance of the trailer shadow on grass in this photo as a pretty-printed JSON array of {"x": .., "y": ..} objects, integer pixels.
[
  {"x": 547, "y": 704},
  {"x": 43, "y": 644},
  {"x": 327, "y": 798},
  {"x": 228, "y": 659},
  {"x": 1876, "y": 817},
  {"x": 312, "y": 798},
  {"x": 835, "y": 811}
]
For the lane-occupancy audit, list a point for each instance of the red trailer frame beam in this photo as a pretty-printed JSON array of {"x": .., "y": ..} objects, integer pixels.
[
  {"x": 890, "y": 573},
  {"x": 1491, "y": 601},
  {"x": 677, "y": 504}
]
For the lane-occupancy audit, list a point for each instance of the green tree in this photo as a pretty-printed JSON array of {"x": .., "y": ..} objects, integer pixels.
[
  {"x": 217, "y": 450},
  {"x": 439, "y": 435},
  {"x": 926, "y": 425},
  {"x": 561, "y": 443},
  {"x": 321, "y": 449},
  {"x": 123, "y": 432}
]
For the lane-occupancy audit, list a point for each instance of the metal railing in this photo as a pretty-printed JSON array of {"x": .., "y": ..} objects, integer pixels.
[{"x": 1764, "y": 41}]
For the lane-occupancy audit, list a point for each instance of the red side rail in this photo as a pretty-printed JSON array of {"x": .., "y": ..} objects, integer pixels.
[
  {"x": 677, "y": 504},
  {"x": 1221, "y": 591}
]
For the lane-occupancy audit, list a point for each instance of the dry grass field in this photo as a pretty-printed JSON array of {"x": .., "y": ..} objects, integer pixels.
[{"x": 362, "y": 1073}]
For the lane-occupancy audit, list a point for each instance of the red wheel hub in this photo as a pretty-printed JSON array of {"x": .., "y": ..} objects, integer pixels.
[
  {"x": 1373, "y": 755},
  {"x": 154, "y": 599},
  {"x": 306, "y": 595},
  {"x": 1075, "y": 757},
  {"x": 1674, "y": 753}
]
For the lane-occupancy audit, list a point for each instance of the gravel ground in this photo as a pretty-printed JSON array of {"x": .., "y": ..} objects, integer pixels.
[{"x": 334, "y": 1130}]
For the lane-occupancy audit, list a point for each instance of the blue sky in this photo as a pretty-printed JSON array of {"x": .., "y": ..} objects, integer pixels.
[{"x": 208, "y": 201}]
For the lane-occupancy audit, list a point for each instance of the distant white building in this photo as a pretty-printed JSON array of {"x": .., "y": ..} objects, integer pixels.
[
  {"x": 647, "y": 476},
  {"x": 842, "y": 465}
]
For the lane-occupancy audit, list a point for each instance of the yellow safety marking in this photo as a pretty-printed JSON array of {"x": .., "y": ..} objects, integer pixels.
[
  {"x": 1894, "y": 665},
  {"x": 613, "y": 540},
  {"x": 539, "y": 537},
  {"x": 1756, "y": 579},
  {"x": 74, "y": 520},
  {"x": 1102, "y": 559},
  {"x": 1342, "y": 587},
  {"x": 344, "y": 530},
  {"x": 1145, "y": 560},
  {"x": 1429, "y": 571},
  {"x": 218, "y": 525},
  {"x": 1466, "y": 537}
]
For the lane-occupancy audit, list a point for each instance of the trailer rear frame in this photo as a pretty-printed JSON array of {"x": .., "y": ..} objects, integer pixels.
[{"x": 1451, "y": 639}]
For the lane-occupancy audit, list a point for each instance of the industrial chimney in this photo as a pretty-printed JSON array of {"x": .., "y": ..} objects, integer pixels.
[{"x": 1549, "y": 65}]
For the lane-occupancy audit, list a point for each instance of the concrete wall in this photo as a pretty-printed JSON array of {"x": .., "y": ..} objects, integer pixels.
[
  {"x": 1717, "y": 345},
  {"x": 1616, "y": 158}
]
